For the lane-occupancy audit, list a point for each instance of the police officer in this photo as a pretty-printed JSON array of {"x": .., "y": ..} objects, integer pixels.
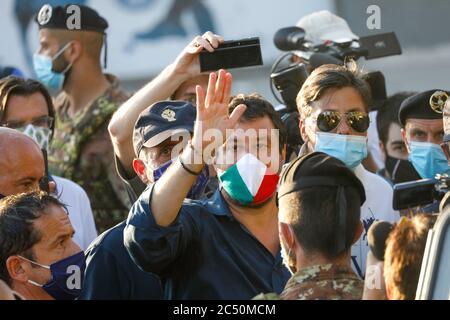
[
  {"x": 320, "y": 203},
  {"x": 68, "y": 61},
  {"x": 423, "y": 130}
]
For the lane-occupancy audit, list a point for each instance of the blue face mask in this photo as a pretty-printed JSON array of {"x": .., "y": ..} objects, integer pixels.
[
  {"x": 67, "y": 277},
  {"x": 43, "y": 66},
  {"x": 196, "y": 190},
  {"x": 428, "y": 159},
  {"x": 351, "y": 150}
]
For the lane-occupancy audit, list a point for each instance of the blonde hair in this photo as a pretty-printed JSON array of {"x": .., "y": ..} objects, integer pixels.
[{"x": 403, "y": 257}]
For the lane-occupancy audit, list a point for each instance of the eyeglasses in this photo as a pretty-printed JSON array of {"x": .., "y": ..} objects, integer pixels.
[
  {"x": 42, "y": 122},
  {"x": 329, "y": 120}
]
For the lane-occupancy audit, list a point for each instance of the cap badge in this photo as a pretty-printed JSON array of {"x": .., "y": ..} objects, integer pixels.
[
  {"x": 169, "y": 115},
  {"x": 45, "y": 14},
  {"x": 438, "y": 100}
]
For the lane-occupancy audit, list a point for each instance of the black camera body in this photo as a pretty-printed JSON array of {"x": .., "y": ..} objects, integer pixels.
[
  {"x": 232, "y": 54},
  {"x": 289, "y": 81},
  {"x": 420, "y": 193}
]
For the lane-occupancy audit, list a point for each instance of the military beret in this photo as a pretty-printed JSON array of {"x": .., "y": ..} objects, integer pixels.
[
  {"x": 58, "y": 17},
  {"x": 425, "y": 105},
  {"x": 447, "y": 121},
  {"x": 318, "y": 169}
]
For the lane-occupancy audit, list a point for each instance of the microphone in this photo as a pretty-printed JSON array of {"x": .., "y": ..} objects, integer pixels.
[
  {"x": 290, "y": 39},
  {"x": 318, "y": 59},
  {"x": 377, "y": 236}
]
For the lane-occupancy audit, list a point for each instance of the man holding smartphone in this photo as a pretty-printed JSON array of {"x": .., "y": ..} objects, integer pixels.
[{"x": 177, "y": 81}]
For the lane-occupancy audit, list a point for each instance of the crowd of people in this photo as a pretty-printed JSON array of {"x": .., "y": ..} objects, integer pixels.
[{"x": 183, "y": 190}]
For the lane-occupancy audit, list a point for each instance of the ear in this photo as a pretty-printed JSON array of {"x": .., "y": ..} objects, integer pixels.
[
  {"x": 140, "y": 169},
  {"x": 74, "y": 51},
  {"x": 405, "y": 140},
  {"x": 359, "y": 231},
  {"x": 302, "y": 127},
  {"x": 15, "y": 269},
  {"x": 286, "y": 233}
]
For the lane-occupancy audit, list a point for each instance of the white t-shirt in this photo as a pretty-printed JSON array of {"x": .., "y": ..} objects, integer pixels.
[
  {"x": 80, "y": 212},
  {"x": 374, "y": 140},
  {"x": 378, "y": 206}
]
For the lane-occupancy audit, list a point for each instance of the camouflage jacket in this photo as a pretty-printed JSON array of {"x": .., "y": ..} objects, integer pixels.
[
  {"x": 82, "y": 151},
  {"x": 322, "y": 282}
]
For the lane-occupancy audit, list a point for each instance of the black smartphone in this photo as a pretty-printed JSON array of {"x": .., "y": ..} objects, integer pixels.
[
  {"x": 413, "y": 194},
  {"x": 381, "y": 45},
  {"x": 232, "y": 54}
]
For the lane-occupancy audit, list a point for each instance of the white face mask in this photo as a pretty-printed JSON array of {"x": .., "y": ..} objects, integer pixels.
[{"x": 40, "y": 135}]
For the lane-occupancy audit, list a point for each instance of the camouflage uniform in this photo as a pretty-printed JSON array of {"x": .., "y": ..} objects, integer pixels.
[
  {"x": 81, "y": 151},
  {"x": 322, "y": 282}
]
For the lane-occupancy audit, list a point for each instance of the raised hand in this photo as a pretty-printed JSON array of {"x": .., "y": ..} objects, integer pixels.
[
  {"x": 187, "y": 63},
  {"x": 213, "y": 111}
]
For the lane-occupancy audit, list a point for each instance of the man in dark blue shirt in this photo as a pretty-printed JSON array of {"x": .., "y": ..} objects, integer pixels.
[
  {"x": 112, "y": 275},
  {"x": 226, "y": 247}
]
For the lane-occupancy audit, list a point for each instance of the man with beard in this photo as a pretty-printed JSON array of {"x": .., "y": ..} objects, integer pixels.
[
  {"x": 68, "y": 63},
  {"x": 226, "y": 247}
]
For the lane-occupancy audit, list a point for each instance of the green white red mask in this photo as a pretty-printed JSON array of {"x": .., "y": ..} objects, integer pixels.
[{"x": 249, "y": 181}]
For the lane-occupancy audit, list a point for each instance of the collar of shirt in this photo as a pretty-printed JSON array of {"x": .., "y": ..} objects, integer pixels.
[{"x": 218, "y": 206}]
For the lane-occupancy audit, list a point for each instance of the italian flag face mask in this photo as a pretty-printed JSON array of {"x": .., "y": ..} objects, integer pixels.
[{"x": 248, "y": 181}]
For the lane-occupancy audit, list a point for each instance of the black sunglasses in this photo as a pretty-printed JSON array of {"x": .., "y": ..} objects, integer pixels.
[{"x": 329, "y": 120}]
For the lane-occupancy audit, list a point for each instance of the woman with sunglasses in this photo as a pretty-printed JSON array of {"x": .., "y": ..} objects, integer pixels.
[{"x": 333, "y": 106}]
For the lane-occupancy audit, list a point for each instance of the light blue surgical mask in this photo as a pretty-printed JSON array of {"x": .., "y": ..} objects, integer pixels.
[
  {"x": 43, "y": 66},
  {"x": 428, "y": 159},
  {"x": 351, "y": 150}
]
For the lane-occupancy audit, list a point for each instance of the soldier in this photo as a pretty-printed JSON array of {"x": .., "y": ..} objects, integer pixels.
[
  {"x": 423, "y": 132},
  {"x": 320, "y": 203},
  {"x": 69, "y": 61}
]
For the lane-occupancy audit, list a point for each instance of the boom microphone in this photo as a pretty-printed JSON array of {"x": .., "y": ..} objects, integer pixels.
[
  {"x": 290, "y": 39},
  {"x": 377, "y": 236}
]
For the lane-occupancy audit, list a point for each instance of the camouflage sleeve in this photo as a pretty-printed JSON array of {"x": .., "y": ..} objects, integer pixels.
[
  {"x": 113, "y": 177},
  {"x": 267, "y": 296}
]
